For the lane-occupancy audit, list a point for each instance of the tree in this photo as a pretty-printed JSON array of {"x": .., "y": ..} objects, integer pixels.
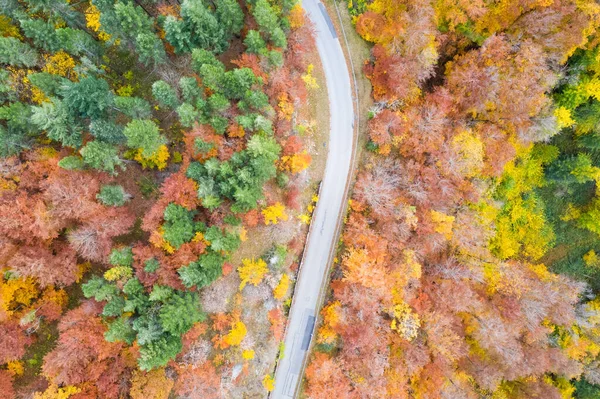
[
  {"x": 13, "y": 342},
  {"x": 101, "y": 156},
  {"x": 200, "y": 382},
  {"x": 252, "y": 272},
  {"x": 153, "y": 384},
  {"x": 113, "y": 195},
  {"x": 83, "y": 355},
  {"x": 107, "y": 131},
  {"x": 230, "y": 15},
  {"x": 88, "y": 98},
  {"x": 15, "y": 52},
  {"x": 269, "y": 22},
  {"x": 54, "y": 118},
  {"x": 254, "y": 43},
  {"x": 6, "y": 384},
  {"x": 325, "y": 378},
  {"x": 165, "y": 94},
  {"x": 274, "y": 213},
  {"x": 179, "y": 226},
  {"x": 144, "y": 134}
]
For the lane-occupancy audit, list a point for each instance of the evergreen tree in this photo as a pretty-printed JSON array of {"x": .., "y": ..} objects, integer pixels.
[
  {"x": 101, "y": 156},
  {"x": 88, "y": 98},
  {"x": 15, "y": 52},
  {"x": 54, "y": 118},
  {"x": 165, "y": 94},
  {"x": 113, "y": 195},
  {"x": 144, "y": 134}
]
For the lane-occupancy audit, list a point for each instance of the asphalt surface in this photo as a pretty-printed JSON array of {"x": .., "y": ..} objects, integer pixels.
[{"x": 322, "y": 238}]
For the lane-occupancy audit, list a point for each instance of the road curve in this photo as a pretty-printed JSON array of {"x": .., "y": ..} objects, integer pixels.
[{"x": 324, "y": 228}]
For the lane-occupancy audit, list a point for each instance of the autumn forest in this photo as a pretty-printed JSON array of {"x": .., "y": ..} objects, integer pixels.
[{"x": 160, "y": 162}]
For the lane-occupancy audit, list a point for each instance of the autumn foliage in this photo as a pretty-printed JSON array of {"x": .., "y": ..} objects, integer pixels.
[{"x": 441, "y": 292}]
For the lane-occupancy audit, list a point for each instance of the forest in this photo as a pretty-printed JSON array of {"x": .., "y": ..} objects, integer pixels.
[
  {"x": 155, "y": 178},
  {"x": 470, "y": 259}
]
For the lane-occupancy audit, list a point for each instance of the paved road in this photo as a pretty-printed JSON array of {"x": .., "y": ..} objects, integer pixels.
[{"x": 322, "y": 238}]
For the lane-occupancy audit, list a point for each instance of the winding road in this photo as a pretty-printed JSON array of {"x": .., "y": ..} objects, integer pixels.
[{"x": 324, "y": 229}]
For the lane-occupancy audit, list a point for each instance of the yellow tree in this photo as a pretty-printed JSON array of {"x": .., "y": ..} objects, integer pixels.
[
  {"x": 252, "y": 272},
  {"x": 274, "y": 213}
]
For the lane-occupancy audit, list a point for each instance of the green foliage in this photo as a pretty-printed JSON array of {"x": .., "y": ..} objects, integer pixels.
[
  {"x": 107, "y": 131},
  {"x": 17, "y": 133},
  {"x": 102, "y": 156},
  {"x": 48, "y": 83},
  {"x": 268, "y": 21},
  {"x": 151, "y": 265},
  {"x": 165, "y": 94},
  {"x": 88, "y": 98},
  {"x": 239, "y": 179},
  {"x": 204, "y": 271},
  {"x": 255, "y": 43},
  {"x": 179, "y": 226},
  {"x": 15, "y": 52},
  {"x": 54, "y": 118},
  {"x": 187, "y": 114},
  {"x": 156, "y": 320},
  {"x": 113, "y": 195},
  {"x": 71, "y": 162},
  {"x": 144, "y": 134},
  {"x": 42, "y": 34},
  {"x": 585, "y": 390},
  {"x": 133, "y": 107},
  {"x": 179, "y": 312},
  {"x": 230, "y": 16},
  {"x": 121, "y": 256},
  {"x": 190, "y": 90}
]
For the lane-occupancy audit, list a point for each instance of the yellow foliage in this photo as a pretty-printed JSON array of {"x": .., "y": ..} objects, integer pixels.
[
  {"x": 296, "y": 16},
  {"x": 286, "y": 108},
  {"x": 563, "y": 117},
  {"x": 282, "y": 288},
  {"x": 243, "y": 234},
  {"x": 571, "y": 213},
  {"x": 269, "y": 383},
  {"x": 295, "y": 163},
  {"x": 405, "y": 322},
  {"x": 118, "y": 273},
  {"x": 591, "y": 259},
  {"x": 469, "y": 148},
  {"x": 443, "y": 223},
  {"x": 60, "y": 64},
  {"x": 125, "y": 91},
  {"x": 274, "y": 213},
  {"x": 8, "y": 29},
  {"x": 248, "y": 354},
  {"x": 309, "y": 80},
  {"x": 92, "y": 20},
  {"x": 151, "y": 385},
  {"x": 237, "y": 334},
  {"x": 304, "y": 218},
  {"x": 252, "y": 272},
  {"x": 331, "y": 317},
  {"x": 17, "y": 293},
  {"x": 198, "y": 237},
  {"x": 54, "y": 392},
  {"x": 82, "y": 268},
  {"x": 157, "y": 160},
  {"x": 15, "y": 367}
]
